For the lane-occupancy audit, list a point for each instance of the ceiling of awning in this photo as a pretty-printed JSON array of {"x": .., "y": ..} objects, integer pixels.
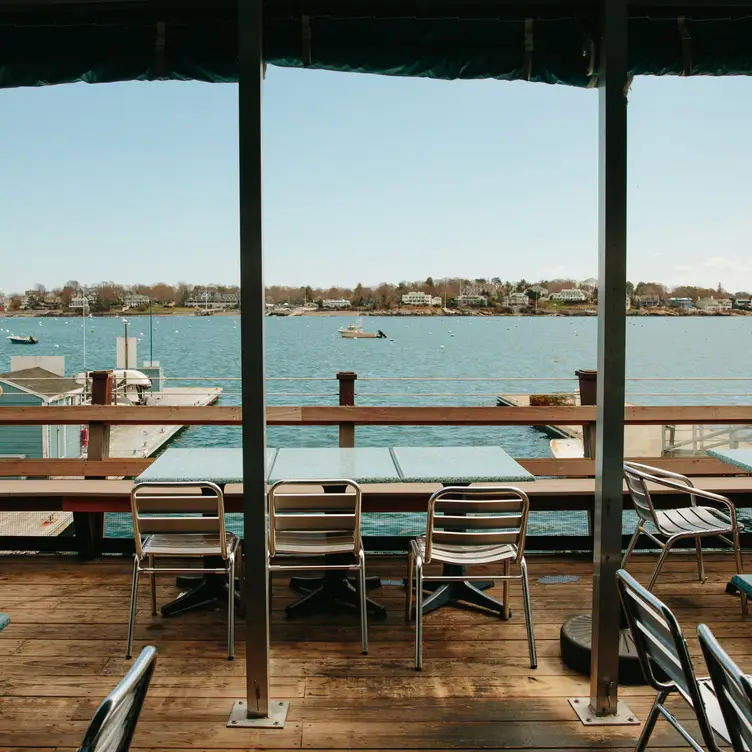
[{"x": 60, "y": 41}]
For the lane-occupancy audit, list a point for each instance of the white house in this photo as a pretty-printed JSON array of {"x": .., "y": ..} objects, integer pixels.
[
  {"x": 469, "y": 299},
  {"x": 417, "y": 298},
  {"x": 213, "y": 300},
  {"x": 569, "y": 296},
  {"x": 518, "y": 299},
  {"x": 436, "y": 300},
  {"x": 134, "y": 300},
  {"x": 336, "y": 303},
  {"x": 82, "y": 301},
  {"x": 713, "y": 305},
  {"x": 540, "y": 291}
]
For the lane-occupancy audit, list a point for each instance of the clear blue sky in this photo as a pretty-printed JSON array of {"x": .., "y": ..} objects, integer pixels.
[{"x": 369, "y": 178}]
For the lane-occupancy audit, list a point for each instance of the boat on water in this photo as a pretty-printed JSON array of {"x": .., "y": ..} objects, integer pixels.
[
  {"x": 355, "y": 331},
  {"x": 22, "y": 339}
]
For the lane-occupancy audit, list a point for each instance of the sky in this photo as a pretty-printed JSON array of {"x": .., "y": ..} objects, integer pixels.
[{"x": 369, "y": 179}]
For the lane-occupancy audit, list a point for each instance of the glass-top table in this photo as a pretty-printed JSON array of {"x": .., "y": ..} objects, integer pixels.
[
  {"x": 445, "y": 465},
  {"x": 741, "y": 458}
]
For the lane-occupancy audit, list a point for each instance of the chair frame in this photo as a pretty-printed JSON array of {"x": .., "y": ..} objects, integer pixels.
[
  {"x": 229, "y": 551},
  {"x": 135, "y": 683},
  {"x": 417, "y": 560},
  {"x": 358, "y": 551},
  {"x": 644, "y": 474},
  {"x": 728, "y": 679},
  {"x": 678, "y": 653}
]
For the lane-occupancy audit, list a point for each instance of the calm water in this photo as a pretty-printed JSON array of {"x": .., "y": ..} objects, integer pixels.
[{"x": 309, "y": 347}]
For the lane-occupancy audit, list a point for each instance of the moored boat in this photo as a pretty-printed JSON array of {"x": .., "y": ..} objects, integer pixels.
[
  {"x": 355, "y": 331},
  {"x": 23, "y": 339}
]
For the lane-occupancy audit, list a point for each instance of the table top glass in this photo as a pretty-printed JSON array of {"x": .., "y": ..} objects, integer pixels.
[
  {"x": 741, "y": 458},
  {"x": 447, "y": 465},
  {"x": 215, "y": 464}
]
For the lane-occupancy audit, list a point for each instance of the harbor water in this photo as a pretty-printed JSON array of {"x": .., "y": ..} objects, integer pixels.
[{"x": 402, "y": 370}]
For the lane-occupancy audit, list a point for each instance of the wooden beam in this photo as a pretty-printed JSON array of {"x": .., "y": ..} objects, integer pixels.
[{"x": 112, "y": 467}]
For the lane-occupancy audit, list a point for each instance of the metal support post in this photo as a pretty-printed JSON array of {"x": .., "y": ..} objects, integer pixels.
[
  {"x": 603, "y": 705},
  {"x": 612, "y": 293},
  {"x": 257, "y": 709}
]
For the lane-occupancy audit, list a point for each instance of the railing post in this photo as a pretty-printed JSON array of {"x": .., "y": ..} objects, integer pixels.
[
  {"x": 89, "y": 526},
  {"x": 347, "y": 398},
  {"x": 588, "y": 396}
]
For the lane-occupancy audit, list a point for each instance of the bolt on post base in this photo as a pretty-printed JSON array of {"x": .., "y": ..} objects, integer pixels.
[
  {"x": 623, "y": 716},
  {"x": 275, "y": 720}
]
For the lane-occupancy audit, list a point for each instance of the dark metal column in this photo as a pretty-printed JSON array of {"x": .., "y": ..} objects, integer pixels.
[
  {"x": 256, "y": 709},
  {"x": 612, "y": 277}
]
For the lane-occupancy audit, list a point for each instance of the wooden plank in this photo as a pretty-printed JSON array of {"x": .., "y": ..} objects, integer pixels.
[{"x": 74, "y": 467}]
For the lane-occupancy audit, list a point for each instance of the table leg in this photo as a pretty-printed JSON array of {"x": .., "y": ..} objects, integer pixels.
[
  {"x": 309, "y": 584},
  {"x": 462, "y": 592},
  {"x": 333, "y": 591}
]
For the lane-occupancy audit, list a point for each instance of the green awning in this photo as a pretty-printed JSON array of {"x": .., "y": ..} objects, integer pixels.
[{"x": 44, "y": 43}]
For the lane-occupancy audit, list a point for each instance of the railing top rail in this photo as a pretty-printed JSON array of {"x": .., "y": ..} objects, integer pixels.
[
  {"x": 362, "y": 415},
  {"x": 486, "y": 379}
]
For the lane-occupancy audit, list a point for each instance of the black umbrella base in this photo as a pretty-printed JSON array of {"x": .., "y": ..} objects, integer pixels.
[{"x": 575, "y": 642}]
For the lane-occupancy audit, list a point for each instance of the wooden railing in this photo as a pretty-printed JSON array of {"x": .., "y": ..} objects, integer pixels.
[{"x": 349, "y": 417}]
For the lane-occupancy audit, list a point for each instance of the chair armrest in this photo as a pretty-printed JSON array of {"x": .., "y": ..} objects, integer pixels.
[{"x": 657, "y": 472}]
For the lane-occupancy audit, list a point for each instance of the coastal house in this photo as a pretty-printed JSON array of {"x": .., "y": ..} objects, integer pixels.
[
  {"x": 518, "y": 299},
  {"x": 335, "y": 303},
  {"x": 39, "y": 381},
  {"x": 471, "y": 299},
  {"x": 540, "y": 291},
  {"x": 648, "y": 301},
  {"x": 714, "y": 305},
  {"x": 742, "y": 303},
  {"x": 569, "y": 296},
  {"x": 417, "y": 298},
  {"x": 215, "y": 300},
  {"x": 84, "y": 300},
  {"x": 135, "y": 300},
  {"x": 681, "y": 303}
]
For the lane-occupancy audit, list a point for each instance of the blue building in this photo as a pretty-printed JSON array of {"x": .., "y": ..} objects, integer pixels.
[{"x": 39, "y": 386}]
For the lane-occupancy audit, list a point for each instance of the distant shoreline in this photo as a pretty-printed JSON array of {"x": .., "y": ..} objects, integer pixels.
[{"x": 396, "y": 313}]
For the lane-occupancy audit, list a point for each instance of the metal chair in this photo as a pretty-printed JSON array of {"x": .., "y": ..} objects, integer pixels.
[
  {"x": 111, "y": 729},
  {"x": 666, "y": 665},
  {"x": 471, "y": 526},
  {"x": 733, "y": 690},
  {"x": 177, "y": 520},
  {"x": 304, "y": 523},
  {"x": 674, "y": 524}
]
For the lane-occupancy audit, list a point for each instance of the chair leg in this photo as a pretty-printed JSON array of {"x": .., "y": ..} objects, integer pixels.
[
  {"x": 506, "y": 611},
  {"x": 528, "y": 615},
  {"x": 739, "y": 568},
  {"x": 647, "y": 729},
  {"x": 410, "y": 583},
  {"x": 418, "y": 614},
  {"x": 132, "y": 618},
  {"x": 363, "y": 604},
  {"x": 240, "y": 574},
  {"x": 231, "y": 606},
  {"x": 700, "y": 562},
  {"x": 153, "y": 581},
  {"x": 631, "y": 547},
  {"x": 660, "y": 563}
]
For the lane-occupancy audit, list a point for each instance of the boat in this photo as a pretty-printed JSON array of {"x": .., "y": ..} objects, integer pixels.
[
  {"x": 23, "y": 339},
  {"x": 355, "y": 331}
]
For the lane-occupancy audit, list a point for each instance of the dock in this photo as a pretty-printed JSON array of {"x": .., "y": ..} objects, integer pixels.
[
  {"x": 143, "y": 441},
  {"x": 639, "y": 441}
]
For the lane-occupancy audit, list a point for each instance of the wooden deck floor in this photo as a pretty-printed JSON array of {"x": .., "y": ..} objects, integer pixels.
[{"x": 63, "y": 652}]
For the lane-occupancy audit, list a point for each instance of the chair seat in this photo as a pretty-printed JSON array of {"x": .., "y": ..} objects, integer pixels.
[
  {"x": 467, "y": 555},
  {"x": 693, "y": 520},
  {"x": 311, "y": 543},
  {"x": 170, "y": 544}
]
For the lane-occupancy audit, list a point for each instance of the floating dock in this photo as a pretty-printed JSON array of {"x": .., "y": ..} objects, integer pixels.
[{"x": 143, "y": 441}]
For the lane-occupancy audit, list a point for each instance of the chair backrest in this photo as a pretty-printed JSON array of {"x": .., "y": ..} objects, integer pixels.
[
  {"x": 312, "y": 508},
  {"x": 636, "y": 478},
  {"x": 477, "y": 516},
  {"x": 733, "y": 690},
  {"x": 178, "y": 509},
  {"x": 111, "y": 729},
  {"x": 661, "y": 647}
]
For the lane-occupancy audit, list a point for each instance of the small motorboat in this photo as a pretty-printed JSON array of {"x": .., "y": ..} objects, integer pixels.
[
  {"x": 22, "y": 339},
  {"x": 355, "y": 331}
]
